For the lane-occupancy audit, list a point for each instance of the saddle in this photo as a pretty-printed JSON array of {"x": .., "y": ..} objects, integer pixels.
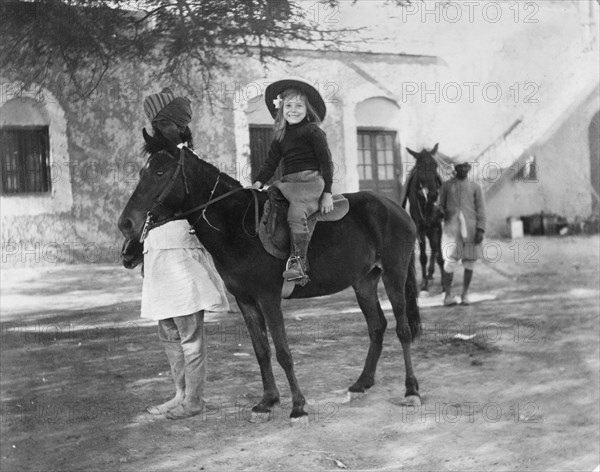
[{"x": 274, "y": 231}]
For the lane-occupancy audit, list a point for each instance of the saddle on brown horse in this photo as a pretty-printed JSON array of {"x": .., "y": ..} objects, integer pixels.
[{"x": 274, "y": 231}]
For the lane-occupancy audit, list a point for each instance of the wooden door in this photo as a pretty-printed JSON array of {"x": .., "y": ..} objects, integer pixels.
[
  {"x": 260, "y": 142},
  {"x": 379, "y": 162}
]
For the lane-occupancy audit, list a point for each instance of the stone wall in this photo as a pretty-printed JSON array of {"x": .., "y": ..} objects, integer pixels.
[{"x": 96, "y": 145}]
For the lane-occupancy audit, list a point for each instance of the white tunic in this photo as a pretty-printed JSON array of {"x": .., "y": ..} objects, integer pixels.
[{"x": 179, "y": 275}]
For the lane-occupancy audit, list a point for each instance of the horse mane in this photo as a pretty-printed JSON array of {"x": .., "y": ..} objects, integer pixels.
[
  {"x": 158, "y": 142},
  {"x": 224, "y": 177}
]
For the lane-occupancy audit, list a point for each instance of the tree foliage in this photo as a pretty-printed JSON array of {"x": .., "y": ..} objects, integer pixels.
[{"x": 84, "y": 39}]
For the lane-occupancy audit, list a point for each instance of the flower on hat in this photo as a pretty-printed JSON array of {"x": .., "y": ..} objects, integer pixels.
[{"x": 277, "y": 102}]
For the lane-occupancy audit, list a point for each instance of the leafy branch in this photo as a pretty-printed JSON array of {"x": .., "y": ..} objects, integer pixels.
[{"x": 82, "y": 40}]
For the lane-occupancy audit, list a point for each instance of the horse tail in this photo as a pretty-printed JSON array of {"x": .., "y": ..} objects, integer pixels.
[{"x": 411, "y": 294}]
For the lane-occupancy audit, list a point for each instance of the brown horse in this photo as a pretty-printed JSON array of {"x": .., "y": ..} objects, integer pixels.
[
  {"x": 374, "y": 241},
  {"x": 421, "y": 191}
]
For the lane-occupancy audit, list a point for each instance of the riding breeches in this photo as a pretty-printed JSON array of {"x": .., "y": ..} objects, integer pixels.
[{"x": 303, "y": 190}]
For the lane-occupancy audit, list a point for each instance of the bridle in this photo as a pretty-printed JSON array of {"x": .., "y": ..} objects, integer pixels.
[
  {"x": 180, "y": 169},
  {"x": 150, "y": 223},
  {"x": 426, "y": 220}
]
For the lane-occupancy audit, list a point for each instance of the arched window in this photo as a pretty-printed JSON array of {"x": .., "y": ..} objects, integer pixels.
[
  {"x": 24, "y": 148},
  {"x": 34, "y": 162}
]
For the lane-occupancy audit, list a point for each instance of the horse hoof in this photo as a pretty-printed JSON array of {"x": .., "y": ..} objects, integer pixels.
[
  {"x": 352, "y": 396},
  {"x": 411, "y": 400},
  {"x": 300, "y": 421},
  {"x": 261, "y": 416}
]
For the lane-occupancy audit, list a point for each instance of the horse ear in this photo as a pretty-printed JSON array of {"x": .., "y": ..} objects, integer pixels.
[
  {"x": 412, "y": 153},
  {"x": 149, "y": 139},
  {"x": 434, "y": 150}
]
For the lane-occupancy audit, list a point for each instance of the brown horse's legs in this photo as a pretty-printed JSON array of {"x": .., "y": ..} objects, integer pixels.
[
  {"x": 395, "y": 288},
  {"x": 411, "y": 384},
  {"x": 432, "y": 258},
  {"x": 366, "y": 294},
  {"x": 271, "y": 307},
  {"x": 436, "y": 248},
  {"x": 440, "y": 258},
  {"x": 255, "y": 323},
  {"x": 423, "y": 260},
  {"x": 434, "y": 235}
]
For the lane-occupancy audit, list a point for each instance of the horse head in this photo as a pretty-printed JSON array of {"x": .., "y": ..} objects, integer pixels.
[
  {"x": 165, "y": 190},
  {"x": 425, "y": 182},
  {"x": 160, "y": 192}
]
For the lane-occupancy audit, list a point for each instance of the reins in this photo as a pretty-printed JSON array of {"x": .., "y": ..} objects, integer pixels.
[
  {"x": 169, "y": 187},
  {"x": 149, "y": 224}
]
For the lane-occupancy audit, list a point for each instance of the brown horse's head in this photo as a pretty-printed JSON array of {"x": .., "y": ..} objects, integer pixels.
[
  {"x": 424, "y": 184},
  {"x": 426, "y": 172},
  {"x": 159, "y": 193}
]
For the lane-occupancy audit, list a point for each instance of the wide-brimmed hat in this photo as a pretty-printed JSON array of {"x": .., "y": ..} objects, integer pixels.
[{"x": 277, "y": 88}]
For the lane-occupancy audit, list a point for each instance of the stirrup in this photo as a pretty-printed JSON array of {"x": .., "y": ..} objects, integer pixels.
[{"x": 295, "y": 272}]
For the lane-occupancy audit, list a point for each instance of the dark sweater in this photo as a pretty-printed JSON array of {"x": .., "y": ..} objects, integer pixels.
[{"x": 304, "y": 147}]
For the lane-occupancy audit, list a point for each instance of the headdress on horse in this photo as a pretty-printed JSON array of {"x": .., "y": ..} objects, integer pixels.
[
  {"x": 273, "y": 100},
  {"x": 165, "y": 105}
]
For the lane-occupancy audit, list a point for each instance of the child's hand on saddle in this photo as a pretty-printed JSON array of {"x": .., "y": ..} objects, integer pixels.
[
  {"x": 326, "y": 204},
  {"x": 257, "y": 185}
]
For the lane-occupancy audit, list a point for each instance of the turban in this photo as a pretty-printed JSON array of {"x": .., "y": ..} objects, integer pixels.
[{"x": 165, "y": 105}]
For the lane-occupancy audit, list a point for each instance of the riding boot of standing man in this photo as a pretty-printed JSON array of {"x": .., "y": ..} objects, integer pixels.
[{"x": 463, "y": 207}]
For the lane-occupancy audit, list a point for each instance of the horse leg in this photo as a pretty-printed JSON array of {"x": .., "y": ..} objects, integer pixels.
[
  {"x": 432, "y": 258},
  {"x": 401, "y": 288},
  {"x": 423, "y": 260},
  {"x": 366, "y": 294},
  {"x": 270, "y": 305},
  {"x": 255, "y": 323}
]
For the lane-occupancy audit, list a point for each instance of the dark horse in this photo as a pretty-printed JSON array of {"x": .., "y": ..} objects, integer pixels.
[
  {"x": 422, "y": 193},
  {"x": 374, "y": 241}
]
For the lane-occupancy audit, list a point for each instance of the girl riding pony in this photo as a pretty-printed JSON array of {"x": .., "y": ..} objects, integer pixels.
[{"x": 300, "y": 146}]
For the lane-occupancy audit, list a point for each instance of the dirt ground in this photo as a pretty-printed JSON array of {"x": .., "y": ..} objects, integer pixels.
[{"x": 79, "y": 365}]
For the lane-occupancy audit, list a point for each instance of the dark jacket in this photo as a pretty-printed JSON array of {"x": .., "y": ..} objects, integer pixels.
[{"x": 303, "y": 147}]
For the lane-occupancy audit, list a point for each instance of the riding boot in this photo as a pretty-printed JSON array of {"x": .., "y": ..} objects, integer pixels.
[
  {"x": 297, "y": 265},
  {"x": 176, "y": 361},
  {"x": 468, "y": 275},
  {"x": 447, "y": 283}
]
